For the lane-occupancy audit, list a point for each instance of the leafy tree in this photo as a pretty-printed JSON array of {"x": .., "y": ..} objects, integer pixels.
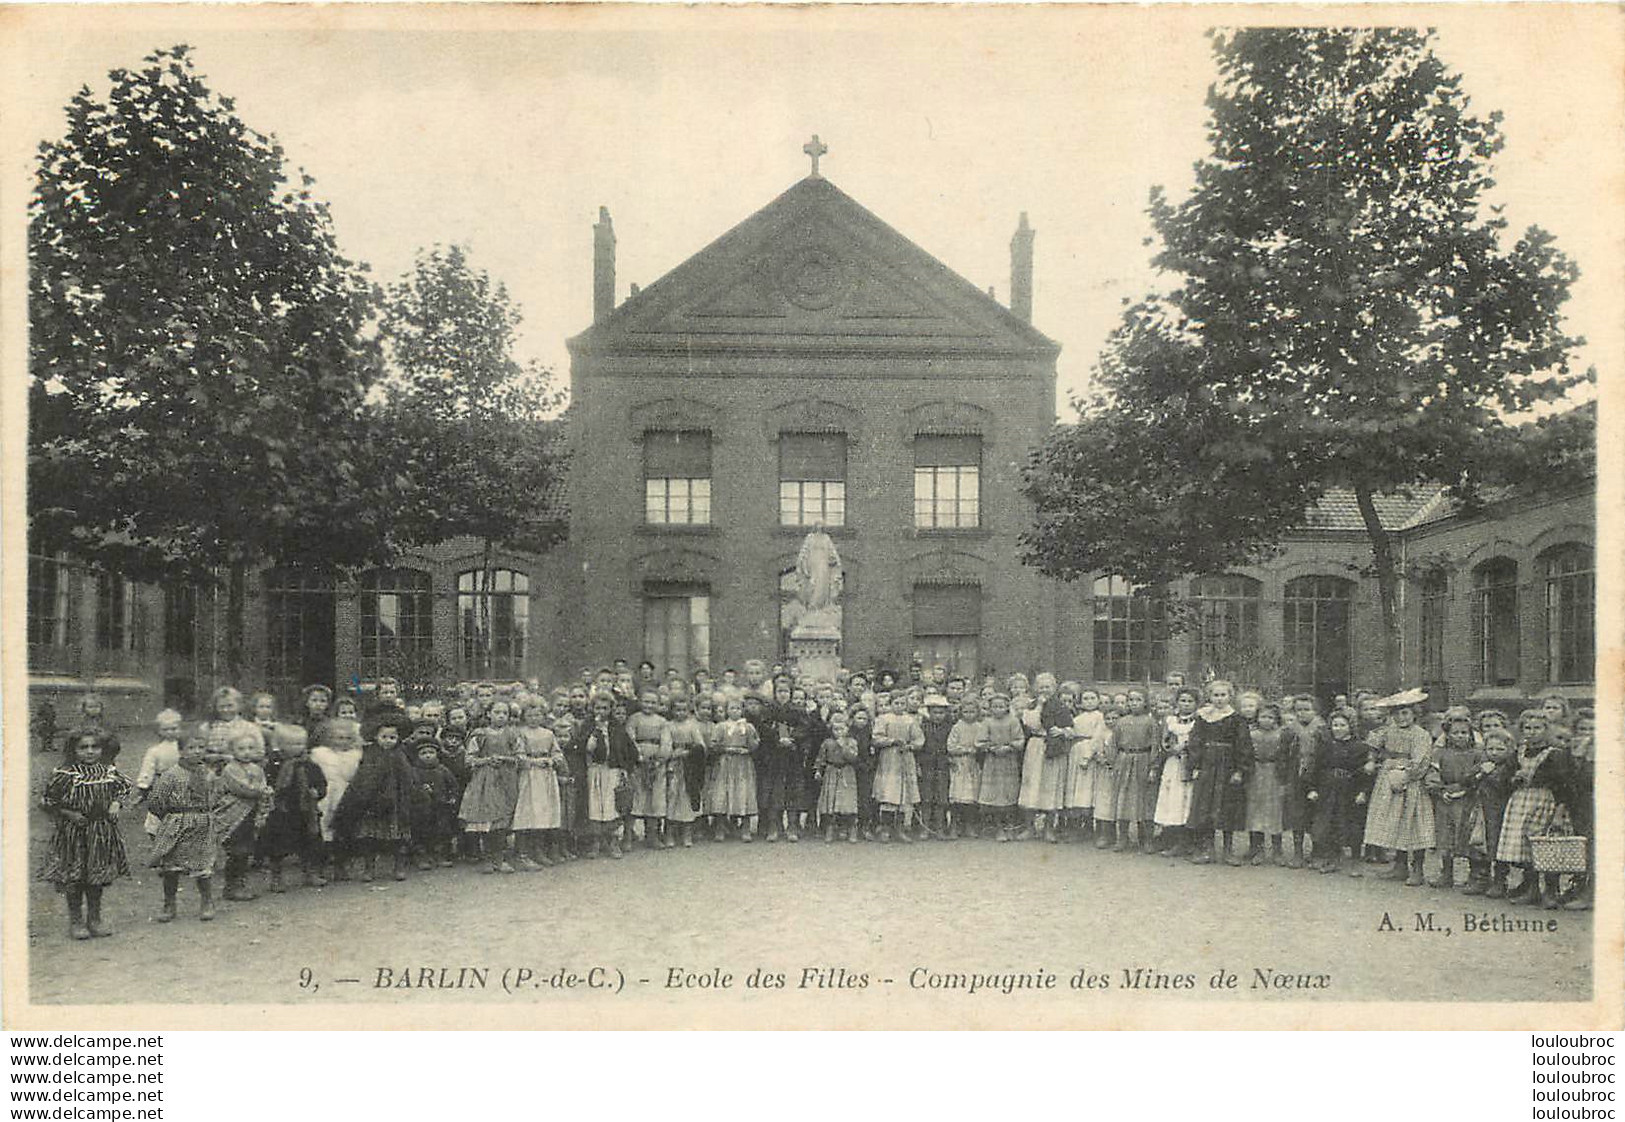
[
  {"x": 471, "y": 431},
  {"x": 197, "y": 359},
  {"x": 1346, "y": 313}
]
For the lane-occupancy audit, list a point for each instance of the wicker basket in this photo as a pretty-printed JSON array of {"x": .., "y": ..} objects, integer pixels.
[{"x": 1559, "y": 853}]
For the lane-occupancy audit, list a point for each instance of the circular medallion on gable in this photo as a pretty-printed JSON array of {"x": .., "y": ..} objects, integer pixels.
[{"x": 812, "y": 278}]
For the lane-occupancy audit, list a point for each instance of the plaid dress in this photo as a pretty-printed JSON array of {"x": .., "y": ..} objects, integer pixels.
[
  {"x": 88, "y": 852},
  {"x": 1540, "y": 784}
]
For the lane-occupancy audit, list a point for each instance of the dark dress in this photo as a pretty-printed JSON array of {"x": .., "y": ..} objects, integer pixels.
[
  {"x": 1218, "y": 750},
  {"x": 1303, "y": 745},
  {"x": 865, "y": 768},
  {"x": 933, "y": 762},
  {"x": 436, "y": 795},
  {"x": 294, "y": 826},
  {"x": 377, "y": 805},
  {"x": 781, "y": 760},
  {"x": 453, "y": 747},
  {"x": 1339, "y": 779},
  {"x": 90, "y": 851}
]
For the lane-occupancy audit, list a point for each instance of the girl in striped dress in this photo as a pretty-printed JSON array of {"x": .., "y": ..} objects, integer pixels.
[
  {"x": 84, "y": 796},
  {"x": 1001, "y": 766}
]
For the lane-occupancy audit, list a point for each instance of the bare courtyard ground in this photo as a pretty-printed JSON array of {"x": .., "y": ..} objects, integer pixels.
[{"x": 897, "y": 914}]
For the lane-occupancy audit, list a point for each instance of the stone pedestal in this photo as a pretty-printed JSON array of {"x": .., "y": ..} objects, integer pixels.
[{"x": 816, "y": 650}]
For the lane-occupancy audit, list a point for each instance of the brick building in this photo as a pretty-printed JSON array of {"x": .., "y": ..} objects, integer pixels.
[
  {"x": 813, "y": 365},
  {"x": 810, "y": 365}
]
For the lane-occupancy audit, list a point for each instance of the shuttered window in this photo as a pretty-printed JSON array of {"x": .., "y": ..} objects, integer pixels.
[
  {"x": 947, "y": 609},
  {"x": 948, "y": 626},
  {"x": 677, "y": 477},
  {"x": 812, "y": 479}
]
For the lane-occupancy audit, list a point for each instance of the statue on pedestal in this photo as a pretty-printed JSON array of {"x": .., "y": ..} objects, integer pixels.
[
  {"x": 818, "y": 584},
  {"x": 815, "y": 640}
]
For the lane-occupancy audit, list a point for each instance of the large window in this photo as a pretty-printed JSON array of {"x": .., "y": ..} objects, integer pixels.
[
  {"x": 1495, "y": 622},
  {"x": 1315, "y": 630},
  {"x": 397, "y": 618},
  {"x": 118, "y": 609},
  {"x": 493, "y": 622},
  {"x": 50, "y": 589},
  {"x": 1131, "y": 631},
  {"x": 1226, "y": 620},
  {"x": 299, "y": 622},
  {"x": 812, "y": 479},
  {"x": 1571, "y": 607},
  {"x": 947, "y": 482},
  {"x": 677, "y": 477},
  {"x": 1435, "y": 611},
  {"x": 677, "y": 627},
  {"x": 948, "y": 626}
]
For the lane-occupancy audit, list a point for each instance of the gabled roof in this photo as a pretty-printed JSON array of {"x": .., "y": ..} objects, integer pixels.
[{"x": 814, "y": 270}]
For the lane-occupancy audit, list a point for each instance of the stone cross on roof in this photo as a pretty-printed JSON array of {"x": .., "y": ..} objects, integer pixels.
[{"x": 815, "y": 148}]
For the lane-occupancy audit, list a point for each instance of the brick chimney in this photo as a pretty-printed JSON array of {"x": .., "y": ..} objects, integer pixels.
[
  {"x": 603, "y": 266},
  {"x": 1021, "y": 270}
]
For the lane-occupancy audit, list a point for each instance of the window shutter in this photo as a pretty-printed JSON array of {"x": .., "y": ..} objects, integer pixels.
[
  {"x": 677, "y": 455},
  {"x": 947, "y": 609},
  {"x": 947, "y": 451},
  {"x": 812, "y": 456}
]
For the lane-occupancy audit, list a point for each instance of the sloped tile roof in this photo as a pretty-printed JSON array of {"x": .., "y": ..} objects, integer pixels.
[{"x": 1338, "y": 510}]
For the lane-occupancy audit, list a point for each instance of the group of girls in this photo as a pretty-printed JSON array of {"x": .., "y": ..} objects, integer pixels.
[{"x": 515, "y": 780}]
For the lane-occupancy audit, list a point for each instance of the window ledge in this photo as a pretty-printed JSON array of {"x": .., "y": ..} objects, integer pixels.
[
  {"x": 978, "y": 532},
  {"x": 690, "y": 529},
  {"x": 784, "y": 531}
]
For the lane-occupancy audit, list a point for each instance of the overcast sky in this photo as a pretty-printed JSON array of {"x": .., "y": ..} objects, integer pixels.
[{"x": 506, "y": 130}]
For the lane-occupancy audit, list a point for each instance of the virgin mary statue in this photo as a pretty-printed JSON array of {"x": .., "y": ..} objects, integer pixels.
[{"x": 818, "y": 579}]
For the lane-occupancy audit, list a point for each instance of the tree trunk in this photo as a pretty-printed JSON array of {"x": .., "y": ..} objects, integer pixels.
[
  {"x": 1382, "y": 552},
  {"x": 236, "y": 597}
]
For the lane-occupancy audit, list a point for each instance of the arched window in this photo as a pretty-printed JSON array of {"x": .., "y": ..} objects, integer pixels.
[
  {"x": 493, "y": 622},
  {"x": 1315, "y": 634},
  {"x": 1435, "y": 592},
  {"x": 1131, "y": 631},
  {"x": 299, "y": 621},
  {"x": 1495, "y": 622},
  {"x": 1571, "y": 614},
  {"x": 1227, "y": 618},
  {"x": 397, "y": 618}
]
